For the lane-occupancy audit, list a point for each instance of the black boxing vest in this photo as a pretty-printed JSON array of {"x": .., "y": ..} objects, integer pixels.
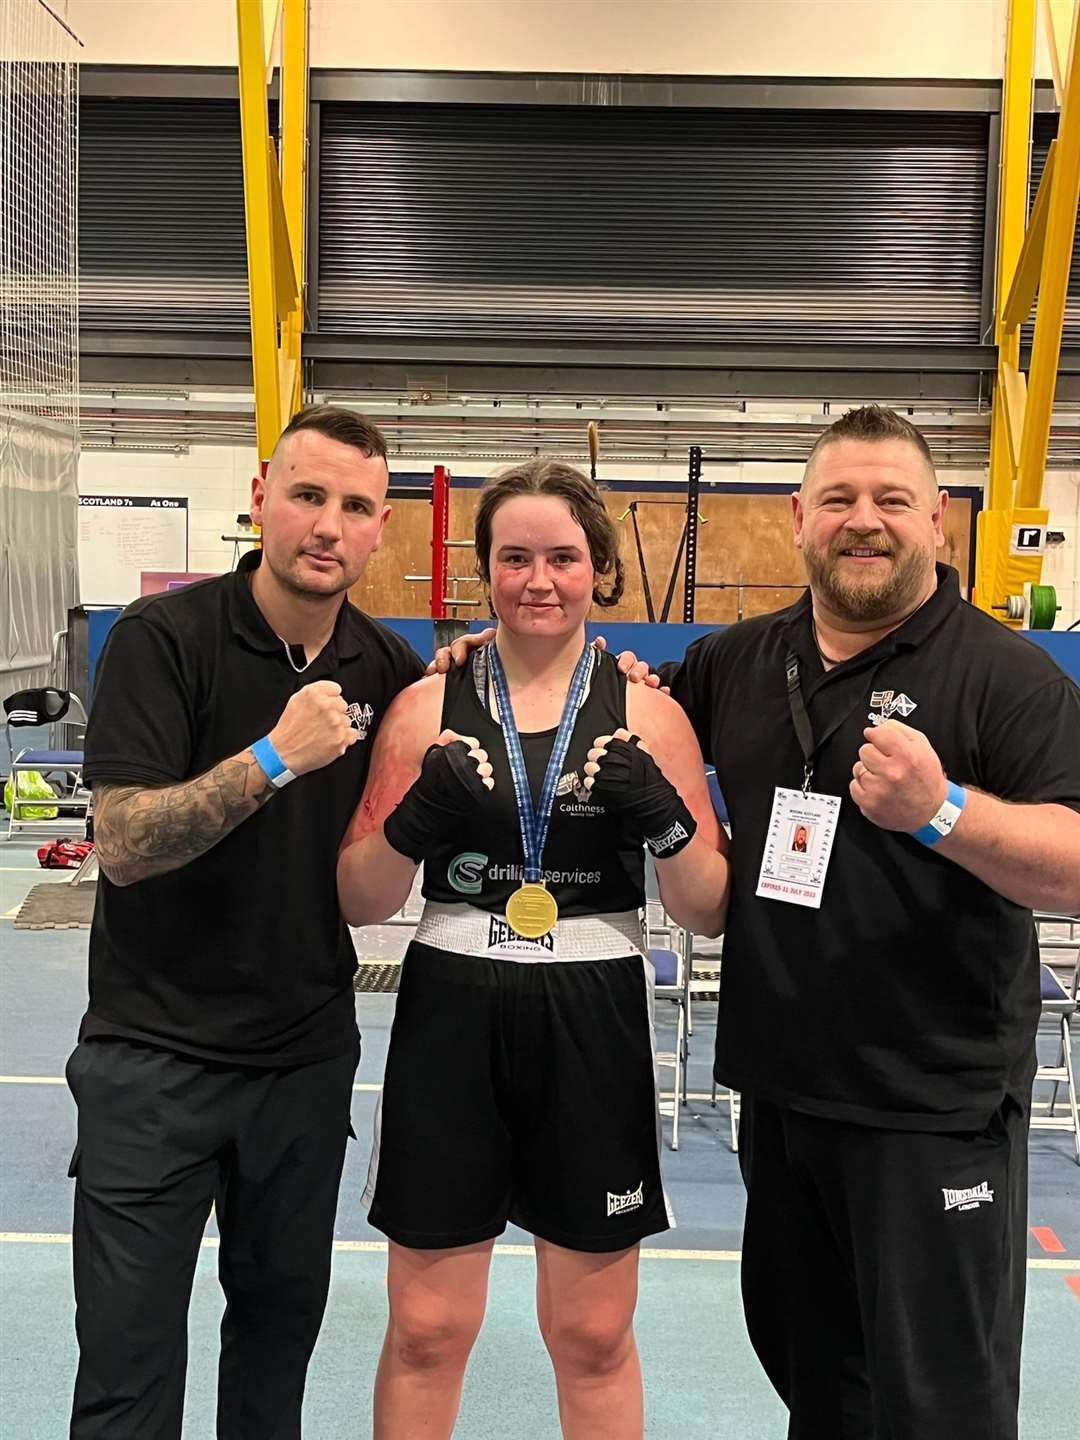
[{"x": 589, "y": 866}]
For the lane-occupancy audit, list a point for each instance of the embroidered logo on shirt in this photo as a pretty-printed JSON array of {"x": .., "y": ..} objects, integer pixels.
[
  {"x": 360, "y": 717},
  {"x": 887, "y": 704},
  {"x": 632, "y": 1200},
  {"x": 969, "y": 1199},
  {"x": 579, "y": 800},
  {"x": 465, "y": 873}
]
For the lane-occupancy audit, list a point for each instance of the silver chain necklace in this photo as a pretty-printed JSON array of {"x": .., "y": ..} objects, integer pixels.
[{"x": 288, "y": 655}]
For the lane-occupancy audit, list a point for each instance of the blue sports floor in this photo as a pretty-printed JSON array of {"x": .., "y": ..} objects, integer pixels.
[{"x": 701, "y": 1377}]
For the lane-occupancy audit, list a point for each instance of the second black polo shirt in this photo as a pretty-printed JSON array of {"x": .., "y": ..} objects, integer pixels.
[{"x": 911, "y": 998}]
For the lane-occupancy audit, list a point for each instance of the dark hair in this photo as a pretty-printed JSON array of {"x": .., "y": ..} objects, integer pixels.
[
  {"x": 873, "y": 422},
  {"x": 554, "y": 477},
  {"x": 336, "y": 423}
]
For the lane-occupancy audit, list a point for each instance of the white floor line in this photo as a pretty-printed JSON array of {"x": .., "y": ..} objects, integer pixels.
[{"x": 379, "y": 1247}]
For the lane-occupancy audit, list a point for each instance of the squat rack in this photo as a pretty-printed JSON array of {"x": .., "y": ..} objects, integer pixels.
[
  {"x": 447, "y": 625},
  {"x": 691, "y": 584}
]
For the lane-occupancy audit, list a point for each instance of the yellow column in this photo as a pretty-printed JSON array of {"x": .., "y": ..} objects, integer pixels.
[
  {"x": 1053, "y": 286},
  {"x": 274, "y": 195},
  {"x": 258, "y": 221},
  {"x": 1012, "y": 220},
  {"x": 1006, "y": 419},
  {"x": 294, "y": 137}
]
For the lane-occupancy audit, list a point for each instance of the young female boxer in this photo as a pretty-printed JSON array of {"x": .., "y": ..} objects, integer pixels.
[{"x": 520, "y": 1079}]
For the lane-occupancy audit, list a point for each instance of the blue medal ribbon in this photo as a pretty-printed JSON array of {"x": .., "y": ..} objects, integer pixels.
[{"x": 535, "y": 822}]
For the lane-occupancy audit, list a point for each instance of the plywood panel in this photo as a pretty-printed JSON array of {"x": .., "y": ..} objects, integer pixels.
[
  {"x": 406, "y": 550},
  {"x": 743, "y": 539}
]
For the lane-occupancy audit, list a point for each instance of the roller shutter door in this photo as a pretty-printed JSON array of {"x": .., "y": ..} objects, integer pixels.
[{"x": 595, "y": 225}]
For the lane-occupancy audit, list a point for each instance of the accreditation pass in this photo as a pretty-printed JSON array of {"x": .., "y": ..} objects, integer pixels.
[{"x": 800, "y": 838}]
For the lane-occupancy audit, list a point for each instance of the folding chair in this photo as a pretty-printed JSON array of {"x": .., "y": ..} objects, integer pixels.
[
  {"x": 1060, "y": 1004},
  {"x": 668, "y": 948},
  {"x": 711, "y": 953},
  {"x": 38, "y": 708},
  {"x": 669, "y": 961}
]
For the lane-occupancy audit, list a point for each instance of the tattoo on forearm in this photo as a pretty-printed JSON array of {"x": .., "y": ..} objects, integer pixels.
[{"x": 140, "y": 832}]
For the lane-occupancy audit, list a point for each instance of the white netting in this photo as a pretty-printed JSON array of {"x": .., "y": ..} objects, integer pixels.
[
  {"x": 39, "y": 370},
  {"x": 38, "y": 217}
]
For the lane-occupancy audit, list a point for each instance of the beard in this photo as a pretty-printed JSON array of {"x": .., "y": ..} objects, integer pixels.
[
  {"x": 870, "y": 598},
  {"x": 291, "y": 577}
]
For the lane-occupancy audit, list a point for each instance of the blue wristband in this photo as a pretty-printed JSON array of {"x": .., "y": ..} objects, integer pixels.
[
  {"x": 277, "y": 772},
  {"x": 942, "y": 823}
]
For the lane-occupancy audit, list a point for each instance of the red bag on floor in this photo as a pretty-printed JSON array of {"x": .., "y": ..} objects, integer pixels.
[{"x": 64, "y": 854}]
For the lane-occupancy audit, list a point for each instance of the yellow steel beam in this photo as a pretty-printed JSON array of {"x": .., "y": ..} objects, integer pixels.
[
  {"x": 1012, "y": 217},
  {"x": 1015, "y": 144},
  {"x": 286, "y": 285},
  {"x": 287, "y": 380},
  {"x": 1013, "y": 390},
  {"x": 258, "y": 219},
  {"x": 1059, "y": 16},
  {"x": 294, "y": 139},
  {"x": 271, "y": 18},
  {"x": 1053, "y": 288},
  {"x": 1026, "y": 280},
  {"x": 294, "y": 119}
]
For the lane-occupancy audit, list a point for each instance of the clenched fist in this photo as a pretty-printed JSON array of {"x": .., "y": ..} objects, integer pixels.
[
  {"x": 314, "y": 728},
  {"x": 898, "y": 781},
  {"x": 453, "y": 777},
  {"x": 625, "y": 778}
]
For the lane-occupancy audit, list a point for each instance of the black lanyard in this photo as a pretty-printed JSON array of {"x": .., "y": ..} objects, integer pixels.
[{"x": 804, "y": 731}]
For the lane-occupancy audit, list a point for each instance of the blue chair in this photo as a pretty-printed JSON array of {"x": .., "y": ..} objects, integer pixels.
[
  {"x": 38, "y": 708},
  {"x": 668, "y": 964}
]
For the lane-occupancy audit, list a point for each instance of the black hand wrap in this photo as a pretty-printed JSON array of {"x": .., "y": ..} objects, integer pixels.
[
  {"x": 632, "y": 786},
  {"x": 447, "y": 788}
]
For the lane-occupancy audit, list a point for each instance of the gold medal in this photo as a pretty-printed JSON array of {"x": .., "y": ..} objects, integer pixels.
[{"x": 531, "y": 911}]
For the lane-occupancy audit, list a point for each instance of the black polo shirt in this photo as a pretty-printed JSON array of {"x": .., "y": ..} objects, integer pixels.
[
  {"x": 910, "y": 999},
  {"x": 242, "y": 954}
]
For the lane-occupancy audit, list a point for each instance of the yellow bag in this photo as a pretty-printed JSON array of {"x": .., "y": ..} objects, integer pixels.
[{"x": 32, "y": 786}]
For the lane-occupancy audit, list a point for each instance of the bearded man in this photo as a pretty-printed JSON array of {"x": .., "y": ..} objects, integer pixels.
[{"x": 880, "y": 993}]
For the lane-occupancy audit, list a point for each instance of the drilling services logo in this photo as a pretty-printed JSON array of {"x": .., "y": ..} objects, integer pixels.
[{"x": 465, "y": 873}]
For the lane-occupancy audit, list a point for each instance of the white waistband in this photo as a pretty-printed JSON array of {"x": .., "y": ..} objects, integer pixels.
[{"x": 464, "y": 930}]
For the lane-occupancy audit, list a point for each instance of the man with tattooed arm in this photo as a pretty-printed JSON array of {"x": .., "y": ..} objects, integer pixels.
[{"x": 228, "y": 743}]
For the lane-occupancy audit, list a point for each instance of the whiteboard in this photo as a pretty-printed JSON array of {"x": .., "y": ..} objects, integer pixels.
[{"x": 120, "y": 536}]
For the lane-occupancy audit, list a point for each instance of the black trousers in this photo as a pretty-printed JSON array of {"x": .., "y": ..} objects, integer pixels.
[
  {"x": 883, "y": 1274},
  {"x": 160, "y": 1138}
]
